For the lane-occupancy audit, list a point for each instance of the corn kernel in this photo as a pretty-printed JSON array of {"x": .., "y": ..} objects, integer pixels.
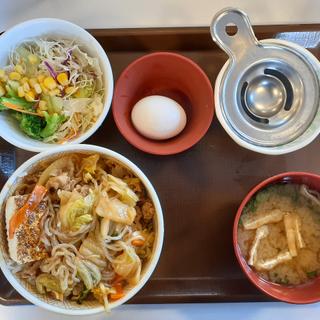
[
  {"x": 54, "y": 92},
  {"x": 50, "y": 83},
  {"x": 29, "y": 96},
  {"x": 40, "y": 77},
  {"x": 21, "y": 91},
  {"x": 26, "y": 87},
  {"x": 24, "y": 80},
  {"x": 2, "y": 74},
  {"x": 33, "y": 82},
  {"x": 43, "y": 105},
  {"x": 19, "y": 68},
  {"x": 37, "y": 88},
  {"x": 33, "y": 59},
  {"x": 43, "y": 88},
  {"x": 70, "y": 90},
  {"x": 14, "y": 75},
  {"x": 63, "y": 78},
  {"x": 2, "y": 91}
]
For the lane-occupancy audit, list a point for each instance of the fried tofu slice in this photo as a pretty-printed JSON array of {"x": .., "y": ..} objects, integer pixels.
[
  {"x": 261, "y": 233},
  {"x": 273, "y": 216},
  {"x": 25, "y": 245},
  {"x": 289, "y": 224},
  {"x": 272, "y": 262},
  {"x": 297, "y": 225}
]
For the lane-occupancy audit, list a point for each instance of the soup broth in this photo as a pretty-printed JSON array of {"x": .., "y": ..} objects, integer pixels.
[{"x": 279, "y": 234}]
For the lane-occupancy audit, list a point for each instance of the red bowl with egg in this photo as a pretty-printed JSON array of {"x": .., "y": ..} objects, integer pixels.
[
  {"x": 301, "y": 294},
  {"x": 171, "y": 75}
]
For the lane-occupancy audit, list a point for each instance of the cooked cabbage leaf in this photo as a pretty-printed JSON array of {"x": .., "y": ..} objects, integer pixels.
[
  {"x": 126, "y": 194},
  {"x": 128, "y": 265},
  {"x": 89, "y": 164},
  {"x": 91, "y": 250},
  {"x": 76, "y": 212},
  {"x": 88, "y": 272},
  {"x": 46, "y": 282},
  {"x": 115, "y": 210},
  {"x": 62, "y": 164}
]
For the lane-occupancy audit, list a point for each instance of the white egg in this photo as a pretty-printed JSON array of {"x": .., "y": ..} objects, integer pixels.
[{"x": 158, "y": 117}]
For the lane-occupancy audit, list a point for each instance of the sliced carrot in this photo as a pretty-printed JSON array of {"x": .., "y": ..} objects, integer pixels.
[
  {"x": 32, "y": 203},
  {"x": 117, "y": 279},
  {"x": 137, "y": 242},
  {"x": 116, "y": 296},
  {"x": 119, "y": 292},
  {"x": 68, "y": 137},
  {"x": 12, "y": 106}
]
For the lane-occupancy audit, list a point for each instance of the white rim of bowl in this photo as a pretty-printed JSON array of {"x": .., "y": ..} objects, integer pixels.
[
  {"x": 107, "y": 77},
  {"x": 307, "y": 137},
  {"x": 159, "y": 220}
]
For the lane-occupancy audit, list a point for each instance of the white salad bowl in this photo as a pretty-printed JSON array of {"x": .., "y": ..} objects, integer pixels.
[
  {"x": 55, "y": 28},
  {"x": 69, "y": 307}
]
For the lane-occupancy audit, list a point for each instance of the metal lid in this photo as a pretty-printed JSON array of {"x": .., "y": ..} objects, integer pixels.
[{"x": 269, "y": 93}]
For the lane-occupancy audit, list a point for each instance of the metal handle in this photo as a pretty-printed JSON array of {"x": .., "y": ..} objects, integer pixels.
[{"x": 234, "y": 45}]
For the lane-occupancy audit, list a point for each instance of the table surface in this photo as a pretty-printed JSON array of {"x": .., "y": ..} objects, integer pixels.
[
  {"x": 160, "y": 13},
  {"x": 164, "y": 13},
  {"x": 221, "y": 311}
]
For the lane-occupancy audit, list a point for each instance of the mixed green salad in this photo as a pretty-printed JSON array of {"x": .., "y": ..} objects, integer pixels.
[{"x": 52, "y": 88}]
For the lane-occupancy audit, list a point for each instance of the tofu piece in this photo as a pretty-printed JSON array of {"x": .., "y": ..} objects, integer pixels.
[
  {"x": 273, "y": 216},
  {"x": 25, "y": 246},
  {"x": 261, "y": 233},
  {"x": 271, "y": 263},
  {"x": 289, "y": 224},
  {"x": 299, "y": 239}
]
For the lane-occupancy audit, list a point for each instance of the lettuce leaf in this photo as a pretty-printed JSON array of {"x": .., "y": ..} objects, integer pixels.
[
  {"x": 24, "y": 53},
  {"x": 54, "y": 104},
  {"x": 85, "y": 92},
  {"x": 12, "y": 88}
]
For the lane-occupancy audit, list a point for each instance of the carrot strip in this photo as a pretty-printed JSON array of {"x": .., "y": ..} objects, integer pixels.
[
  {"x": 68, "y": 137},
  {"x": 12, "y": 106},
  {"x": 32, "y": 203},
  {"x": 119, "y": 292},
  {"x": 116, "y": 296},
  {"x": 137, "y": 242}
]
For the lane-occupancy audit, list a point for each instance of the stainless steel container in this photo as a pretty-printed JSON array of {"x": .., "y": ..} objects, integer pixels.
[{"x": 267, "y": 94}]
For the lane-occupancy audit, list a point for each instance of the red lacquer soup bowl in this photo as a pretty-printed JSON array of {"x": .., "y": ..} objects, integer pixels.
[{"x": 305, "y": 293}]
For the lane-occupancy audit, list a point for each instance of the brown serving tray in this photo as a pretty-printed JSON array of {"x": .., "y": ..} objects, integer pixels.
[{"x": 199, "y": 189}]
